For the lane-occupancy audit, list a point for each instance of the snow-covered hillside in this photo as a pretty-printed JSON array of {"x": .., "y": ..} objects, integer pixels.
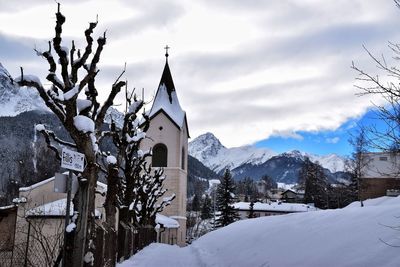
[
  {"x": 209, "y": 150},
  {"x": 15, "y": 100},
  {"x": 353, "y": 237}
]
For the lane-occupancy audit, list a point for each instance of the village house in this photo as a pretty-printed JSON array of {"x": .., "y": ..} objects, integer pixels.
[
  {"x": 379, "y": 175},
  {"x": 292, "y": 196},
  {"x": 271, "y": 208}
]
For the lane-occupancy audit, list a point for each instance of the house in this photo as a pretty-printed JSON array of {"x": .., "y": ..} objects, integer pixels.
[
  {"x": 8, "y": 217},
  {"x": 271, "y": 208},
  {"x": 38, "y": 222},
  {"x": 168, "y": 137},
  {"x": 379, "y": 174},
  {"x": 291, "y": 196}
]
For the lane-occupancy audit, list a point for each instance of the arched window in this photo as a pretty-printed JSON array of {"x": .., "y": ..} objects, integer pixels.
[
  {"x": 160, "y": 155},
  {"x": 183, "y": 159}
]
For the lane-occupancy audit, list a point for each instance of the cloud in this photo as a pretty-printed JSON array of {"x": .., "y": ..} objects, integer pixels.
[
  {"x": 332, "y": 140},
  {"x": 252, "y": 68}
]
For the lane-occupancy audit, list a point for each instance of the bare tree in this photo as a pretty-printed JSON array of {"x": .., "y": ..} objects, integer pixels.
[
  {"x": 387, "y": 87},
  {"x": 82, "y": 118}
]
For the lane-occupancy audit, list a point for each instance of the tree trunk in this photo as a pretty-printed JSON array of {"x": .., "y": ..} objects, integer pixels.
[{"x": 110, "y": 253}]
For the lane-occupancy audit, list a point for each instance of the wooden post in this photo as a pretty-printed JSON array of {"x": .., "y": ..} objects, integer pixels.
[{"x": 67, "y": 215}]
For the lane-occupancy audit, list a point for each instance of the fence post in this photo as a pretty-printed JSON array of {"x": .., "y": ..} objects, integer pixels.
[{"x": 27, "y": 245}]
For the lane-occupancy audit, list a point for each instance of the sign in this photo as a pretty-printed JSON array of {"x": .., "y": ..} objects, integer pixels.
[
  {"x": 72, "y": 160},
  {"x": 60, "y": 183}
]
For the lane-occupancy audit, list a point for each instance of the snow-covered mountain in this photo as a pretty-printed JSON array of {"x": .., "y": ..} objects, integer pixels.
[
  {"x": 209, "y": 150},
  {"x": 248, "y": 160},
  {"x": 15, "y": 100}
]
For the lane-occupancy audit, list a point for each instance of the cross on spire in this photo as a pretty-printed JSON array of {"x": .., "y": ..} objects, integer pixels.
[{"x": 166, "y": 51}]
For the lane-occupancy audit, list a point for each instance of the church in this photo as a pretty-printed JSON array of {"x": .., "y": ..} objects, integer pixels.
[{"x": 168, "y": 137}]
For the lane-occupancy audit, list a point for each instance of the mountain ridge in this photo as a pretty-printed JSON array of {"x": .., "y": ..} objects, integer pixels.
[{"x": 255, "y": 162}]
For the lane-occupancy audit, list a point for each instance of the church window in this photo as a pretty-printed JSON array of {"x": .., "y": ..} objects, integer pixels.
[
  {"x": 183, "y": 159},
  {"x": 160, "y": 155}
]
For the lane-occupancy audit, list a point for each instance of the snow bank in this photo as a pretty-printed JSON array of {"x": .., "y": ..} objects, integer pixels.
[{"x": 345, "y": 237}]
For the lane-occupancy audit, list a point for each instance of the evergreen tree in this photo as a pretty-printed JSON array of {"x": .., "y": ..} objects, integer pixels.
[
  {"x": 251, "y": 211},
  {"x": 206, "y": 208},
  {"x": 269, "y": 182},
  {"x": 195, "y": 203},
  {"x": 315, "y": 183},
  {"x": 225, "y": 199}
]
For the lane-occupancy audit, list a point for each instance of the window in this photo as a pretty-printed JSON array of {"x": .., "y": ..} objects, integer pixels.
[
  {"x": 383, "y": 158},
  {"x": 183, "y": 159},
  {"x": 160, "y": 156}
]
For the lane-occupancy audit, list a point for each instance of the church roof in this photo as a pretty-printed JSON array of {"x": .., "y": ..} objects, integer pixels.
[{"x": 167, "y": 101}]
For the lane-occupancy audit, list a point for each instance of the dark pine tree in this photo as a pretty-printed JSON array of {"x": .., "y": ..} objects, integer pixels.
[
  {"x": 225, "y": 199},
  {"x": 195, "y": 203},
  {"x": 315, "y": 183},
  {"x": 251, "y": 210},
  {"x": 206, "y": 208}
]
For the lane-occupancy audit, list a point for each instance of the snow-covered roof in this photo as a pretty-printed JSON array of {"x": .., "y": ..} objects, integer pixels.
[
  {"x": 9, "y": 206},
  {"x": 275, "y": 206},
  {"x": 55, "y": 208},
  {"x": 167, "y": 100},
  {"x": 167, "y": 222},
  {"x": 29, "y": 188}
]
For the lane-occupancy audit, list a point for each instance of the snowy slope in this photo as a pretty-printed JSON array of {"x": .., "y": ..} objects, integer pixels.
[
  {"x": 349, "y": 237},
  {"x": 15, "y": 100},
  {"x": 209, "y": 150}
]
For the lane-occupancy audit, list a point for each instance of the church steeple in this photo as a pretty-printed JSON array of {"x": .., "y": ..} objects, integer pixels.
[
  {"x": 166, "y": 79},
  {"x": 166, "y": 99}
]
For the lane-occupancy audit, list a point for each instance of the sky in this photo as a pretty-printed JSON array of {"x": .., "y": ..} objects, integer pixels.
[{"x": 276, "y": 74}]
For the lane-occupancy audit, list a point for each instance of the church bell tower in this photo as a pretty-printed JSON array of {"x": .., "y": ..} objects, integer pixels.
[{"x": 169, "y": 135}]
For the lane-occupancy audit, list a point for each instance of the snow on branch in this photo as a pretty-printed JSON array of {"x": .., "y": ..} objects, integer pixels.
[{"x": 34, "y": 81}]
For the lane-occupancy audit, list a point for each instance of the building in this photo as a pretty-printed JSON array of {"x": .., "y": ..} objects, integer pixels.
[
  {"x": 271, "y": 208},
  {"x": 168, "y": 137},
  {"x": 291, "y": 196},
  {"x": 379, "y": 174}
]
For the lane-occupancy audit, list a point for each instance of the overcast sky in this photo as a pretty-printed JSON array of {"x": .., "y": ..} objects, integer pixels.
[{"x": 243, "y": 70}]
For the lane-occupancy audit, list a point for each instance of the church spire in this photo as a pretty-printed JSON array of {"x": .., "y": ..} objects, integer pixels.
[
  {"x": 166, "y": 99},
  {"x": 166, "y": 77}
]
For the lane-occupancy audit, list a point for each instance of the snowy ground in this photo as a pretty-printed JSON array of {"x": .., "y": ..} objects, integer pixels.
[{"x": 352, "y": 236}]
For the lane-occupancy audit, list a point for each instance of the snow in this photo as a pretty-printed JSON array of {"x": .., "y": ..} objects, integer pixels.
[
  {"x": 29, "y": 188},
  {"x": 15, "y": 100},
  {"x": 82, "y": 104},
  {"x": 70, "y": 227},
  {"x": 54, "y": 208},
  {"x": 29, "y": 78},
  {"x": 172, "y": 109},
  {"x": 349, "y": 237},
  {"x": 275, "y": 206},
  {"x": 84, "y": 124},
  {"x": 71, "y": 93},
  {"x": 89, "y": 258},
  {"x": 209, "y": 151},
  {"x": 39, "y": 127},
  {"x": 167, "y": 222},
  {"x": 111, "y": 160}
]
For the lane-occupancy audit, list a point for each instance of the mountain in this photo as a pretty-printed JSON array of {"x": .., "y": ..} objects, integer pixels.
[
  {"x": 198, "y": 176},
  {"x": 15, "y": 100},
  {"x": 209, "y": 150},
  {"x": 249, "y": 161}
]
